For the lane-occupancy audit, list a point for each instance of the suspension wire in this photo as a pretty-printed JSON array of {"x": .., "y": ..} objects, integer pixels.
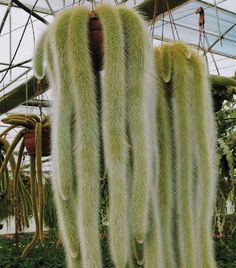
[
  {"x": 154, "y": 18},
  {"x": 49, "y": 6},
  {"x": 199, "y": 40},
  {"x": 5, "y": 16},
  {"x": 203, "y": 36},
  {"x": 162, "y": 28},
  {"x": 26, "y": 96},
  {"x": 172, "y": 21},
  {"x": 33, "y": 32},
  {"x": 18, "y": 46},
  {"x": 10, "y": 41},
  {"x": 212, "y": 56}
]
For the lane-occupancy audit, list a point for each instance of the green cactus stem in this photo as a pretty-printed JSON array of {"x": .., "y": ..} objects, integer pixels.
[
  {"x": 87, "y": 164},
  {"x": 165, "y": 182},
  {"x": 181, "y": 99},
  {"x": 153, "y": 245},
  {"x": 38, "y": 62},
  {"x": 18, "y": 188},
  {"x": 114, "y": 132},
  {"x": 66, "y": 208},
  {"x": 205, "y": 138},
  {"x": 60, "y": 33},
  {"x": 33, "y": 185},
  {"x": 10, "y": 151},
  {"x": 140, "y": 112}
]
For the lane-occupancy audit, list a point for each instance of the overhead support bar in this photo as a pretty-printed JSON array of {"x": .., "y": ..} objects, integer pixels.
[
  {"x": 18, "y": 95},
  {"x": 14, "y": 80},
  {"x": 38, "y": 103},
  {"x": 16, "y": 65},
  {"x": 36, "y": 9},
  {"x": 221, "y": 37},
  {"x": 31, "y": 12},
  {"x": 147, "y": 7}
]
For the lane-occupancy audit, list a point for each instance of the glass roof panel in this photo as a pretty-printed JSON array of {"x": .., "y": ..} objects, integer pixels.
[{"x": 184, "y": 22}]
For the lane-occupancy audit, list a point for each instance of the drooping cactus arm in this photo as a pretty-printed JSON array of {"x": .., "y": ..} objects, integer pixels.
[
  {"x": 86, "y": 138},
  {"x": 114, "y": 132},
  {"x": 182, "y": 130},
  {"x": 147, "y": 7},
  {"x": 141, "y": 105},
  {"x": 66, "y": 209},
  {"x": 165, "y": 185},
  {"x": 205, "y": 146}
]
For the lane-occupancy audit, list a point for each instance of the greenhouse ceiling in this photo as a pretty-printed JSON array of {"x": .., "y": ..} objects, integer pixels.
[{"x": 19, "y": 33}]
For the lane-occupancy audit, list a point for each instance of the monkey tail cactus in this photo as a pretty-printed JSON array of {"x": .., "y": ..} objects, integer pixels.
[
  {"x": 136, "y": 133},
  {"x": 181, "y": 73},
  {"x": 62, "y": 147}
]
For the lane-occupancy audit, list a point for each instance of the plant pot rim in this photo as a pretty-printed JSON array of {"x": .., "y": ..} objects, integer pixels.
[{"x": 33, "y": 130}]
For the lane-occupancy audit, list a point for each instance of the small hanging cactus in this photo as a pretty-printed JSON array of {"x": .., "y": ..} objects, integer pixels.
[{"x": 187, "y": 115}]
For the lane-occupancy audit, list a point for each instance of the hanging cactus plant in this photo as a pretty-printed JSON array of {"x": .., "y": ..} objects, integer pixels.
[
  {"x": 186, "y": 122},
  {"x": 126, "y": 104},
  {"x": 145, "y": 126}
]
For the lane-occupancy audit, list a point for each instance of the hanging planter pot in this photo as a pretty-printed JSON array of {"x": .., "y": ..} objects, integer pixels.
[
  {"x": 29, "y": 139},
  {"x": 95, "y": 36}
]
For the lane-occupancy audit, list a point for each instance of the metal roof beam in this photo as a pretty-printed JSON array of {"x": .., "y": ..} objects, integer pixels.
[
  {"x": 30, "y": 11},
  {"x": 153, "y": 8},
  {"x": 20, "y": 64},
  {"x": 36, "y": 9},
  {"x": 17, "y": 96},
  {"x": 37, "y": 103},
  {"x": 221, "y": 37},
  {"x": 193, "y": 29}
]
